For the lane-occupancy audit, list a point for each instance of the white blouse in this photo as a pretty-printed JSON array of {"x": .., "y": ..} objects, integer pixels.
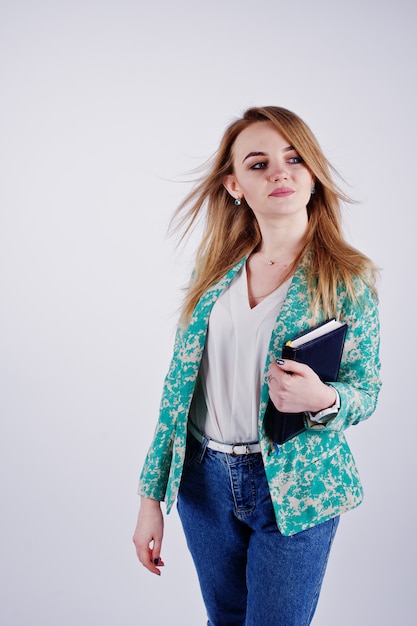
[{"x": 226, "y": 402}]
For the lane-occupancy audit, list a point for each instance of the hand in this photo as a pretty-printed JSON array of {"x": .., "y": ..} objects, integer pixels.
[
  {"x": 295, "y": 387},
  {"x": 148, "y": 535}
]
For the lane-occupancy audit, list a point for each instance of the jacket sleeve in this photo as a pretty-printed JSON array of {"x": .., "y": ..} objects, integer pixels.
[
  {"x": 359, "y": 381},
  {"x": 156, "y": 468}
]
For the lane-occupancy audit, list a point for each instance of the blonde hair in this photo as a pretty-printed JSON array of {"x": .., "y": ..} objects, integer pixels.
[{"x": 231, "y": 231}]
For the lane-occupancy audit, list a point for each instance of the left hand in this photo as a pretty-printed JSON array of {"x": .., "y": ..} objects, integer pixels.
[
  {"x": 148, "y": 535},
  {"x": 295, "y": 387}
]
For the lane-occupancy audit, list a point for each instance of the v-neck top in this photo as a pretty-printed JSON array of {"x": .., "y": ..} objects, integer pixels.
[{"x": 226, "y": 401}]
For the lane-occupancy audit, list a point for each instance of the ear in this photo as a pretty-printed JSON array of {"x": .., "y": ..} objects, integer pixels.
[{"x": 232, "y": 186}]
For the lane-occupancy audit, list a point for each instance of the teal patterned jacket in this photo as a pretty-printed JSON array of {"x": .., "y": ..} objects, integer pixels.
[{"x": 313, "y": 477}]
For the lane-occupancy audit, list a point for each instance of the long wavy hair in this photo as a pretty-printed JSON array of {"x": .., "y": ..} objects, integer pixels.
[{"x": 232, "y": 232}]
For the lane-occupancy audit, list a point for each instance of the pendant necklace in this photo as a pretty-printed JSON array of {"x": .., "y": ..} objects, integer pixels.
[{"x": 266, "y": 260}]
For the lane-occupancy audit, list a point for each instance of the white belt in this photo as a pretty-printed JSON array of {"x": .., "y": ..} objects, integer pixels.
[{"x": 235, "y": 449}]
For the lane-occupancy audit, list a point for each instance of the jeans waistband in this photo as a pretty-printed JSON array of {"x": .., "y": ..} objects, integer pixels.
[{"x": 235, "y": 449}]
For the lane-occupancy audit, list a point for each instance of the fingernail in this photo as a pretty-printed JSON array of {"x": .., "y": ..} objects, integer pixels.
[
  {"x": 156, "y": 561},
  {"x": 279, "y": 362}
]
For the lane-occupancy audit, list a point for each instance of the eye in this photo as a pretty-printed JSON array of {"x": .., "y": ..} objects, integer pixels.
[
  {"x": 295, "y": 160},
  {"x": 259, "y": 166}
]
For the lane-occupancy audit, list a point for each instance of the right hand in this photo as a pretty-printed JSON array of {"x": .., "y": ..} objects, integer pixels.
[{"x": 148, "y": 535}]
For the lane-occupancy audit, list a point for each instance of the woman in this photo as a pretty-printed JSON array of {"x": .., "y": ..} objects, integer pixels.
[{"x": 260, "y": 518}]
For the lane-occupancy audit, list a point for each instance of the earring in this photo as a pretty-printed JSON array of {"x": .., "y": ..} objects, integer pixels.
[
  {"x": 313, "y": 191},
  {"x": 238, "y": 201}
]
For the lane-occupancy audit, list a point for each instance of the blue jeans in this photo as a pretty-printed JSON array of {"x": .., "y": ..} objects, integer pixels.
[{"x": 249, "y": 573}]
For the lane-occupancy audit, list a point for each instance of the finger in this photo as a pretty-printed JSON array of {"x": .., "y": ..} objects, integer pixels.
[
  {"x": 156, "y": 552},
  {"x": 289, "y": 366},
  {"x": 155, "y": 562},
  {"x": 149, "y": 561},
  {"x": 276, "y": 373}
]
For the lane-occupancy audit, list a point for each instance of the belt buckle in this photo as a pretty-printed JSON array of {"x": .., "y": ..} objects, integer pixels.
[{"x": 238, "y": 445}]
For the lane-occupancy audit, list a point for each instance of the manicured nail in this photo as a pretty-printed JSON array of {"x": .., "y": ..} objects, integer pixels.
[
  {"x": 156, "y": 561},
  {"x": 279, "y": 362}
]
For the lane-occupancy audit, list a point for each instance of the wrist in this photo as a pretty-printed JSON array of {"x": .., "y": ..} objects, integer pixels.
[
  {"x": 149, "y": 503},
  {"x": 325, "y": 415}
]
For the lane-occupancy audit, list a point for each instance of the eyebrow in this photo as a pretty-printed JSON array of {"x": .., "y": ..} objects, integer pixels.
[{"x": 255, "y": 154}]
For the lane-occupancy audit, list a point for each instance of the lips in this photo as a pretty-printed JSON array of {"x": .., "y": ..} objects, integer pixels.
[{"x": 281, "y": 192}]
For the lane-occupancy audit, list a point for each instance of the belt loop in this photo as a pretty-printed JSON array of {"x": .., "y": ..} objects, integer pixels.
[{"x": 202, "y": 450}]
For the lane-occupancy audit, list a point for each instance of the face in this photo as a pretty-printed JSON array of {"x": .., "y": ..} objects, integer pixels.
[{"x": 268, "y": 173}]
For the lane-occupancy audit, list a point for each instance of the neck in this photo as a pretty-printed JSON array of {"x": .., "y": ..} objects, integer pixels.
[{"x": 281, "y": 244}]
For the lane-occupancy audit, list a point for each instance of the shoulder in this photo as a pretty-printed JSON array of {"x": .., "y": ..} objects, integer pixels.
[{"x": 360, "y": 290}]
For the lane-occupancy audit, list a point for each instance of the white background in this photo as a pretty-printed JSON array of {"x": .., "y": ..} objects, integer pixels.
[{"x": 104, "y": 106}]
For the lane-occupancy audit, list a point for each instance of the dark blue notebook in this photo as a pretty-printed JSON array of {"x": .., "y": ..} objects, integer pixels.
[{"x": 321, "y": 348}]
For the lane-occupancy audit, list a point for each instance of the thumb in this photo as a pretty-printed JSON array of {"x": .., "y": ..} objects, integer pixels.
[{"x": 156, "y": 552}]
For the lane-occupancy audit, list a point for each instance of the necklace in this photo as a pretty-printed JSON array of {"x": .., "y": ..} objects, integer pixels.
[{"x": 267, "y": 261}]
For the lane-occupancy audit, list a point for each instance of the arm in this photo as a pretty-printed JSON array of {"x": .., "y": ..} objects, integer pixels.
[
  {"x": 156, "y": 468},
  {"x": 149, "y": 529},
  {"x": 359, "y": 380},
  {"x": 295, "y": 387}
]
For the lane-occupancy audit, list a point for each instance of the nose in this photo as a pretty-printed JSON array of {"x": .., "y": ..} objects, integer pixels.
[{"x": 278, "y": 173}]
